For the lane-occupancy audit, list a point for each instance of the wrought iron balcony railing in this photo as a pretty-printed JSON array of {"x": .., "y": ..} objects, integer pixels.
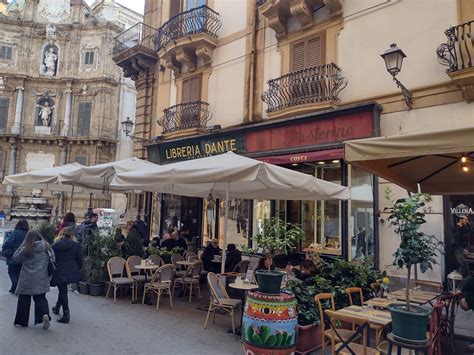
[
  {"x": 199, "y": 20},
  {"x": 139, "y": 34},
  {"x": 458, "y": 52},
  {"x": 184, "y": 116},
  {"x": 310, "y": 85}
]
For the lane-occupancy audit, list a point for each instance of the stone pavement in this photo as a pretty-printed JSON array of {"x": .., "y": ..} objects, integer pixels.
[{"x": 99, "y": 327}]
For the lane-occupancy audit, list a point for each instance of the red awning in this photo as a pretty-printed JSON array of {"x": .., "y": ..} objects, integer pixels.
[{"x": 322, "y": 155}]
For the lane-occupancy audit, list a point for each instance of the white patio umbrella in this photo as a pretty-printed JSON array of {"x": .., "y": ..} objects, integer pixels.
[{"x": 230, "y": 176}]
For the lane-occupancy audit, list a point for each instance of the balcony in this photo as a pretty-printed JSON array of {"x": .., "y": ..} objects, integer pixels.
[
  {"x": 134, "y": 50},
  {"x": 458, "y": 55},
  {"x": 187, "y": 118},
  {"x": 187, "y": 40},
  {"x": 278, "y": 12},
  {"x": 304, "y": 90}
]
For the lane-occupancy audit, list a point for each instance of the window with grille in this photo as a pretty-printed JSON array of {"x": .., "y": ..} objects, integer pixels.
[
  {"x": 81, "y": 159},
  {"x": 307, "y": 53},
  {"x": 191, "y": 89},
  {"x": 89, "y": 58},
  {"x": 4, "y": 103},
  {"x": 6, "y": 52},
  {"x": 84, "y": 118}
]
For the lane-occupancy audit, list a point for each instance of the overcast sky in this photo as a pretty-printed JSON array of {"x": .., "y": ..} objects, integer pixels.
[{"x": 136, "y": 5}]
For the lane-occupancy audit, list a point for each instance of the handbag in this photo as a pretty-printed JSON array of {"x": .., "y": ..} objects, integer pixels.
[{"x": 52, "y": 267}]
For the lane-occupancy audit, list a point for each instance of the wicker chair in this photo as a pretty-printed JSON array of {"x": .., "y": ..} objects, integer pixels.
[
  {"x": 190, "y": 256},
  {"x": 156, "y": 259},
  {"x": 220, "y": 300},
  {"x": 174, "y": 259},
  {"x": 190, "y": 279},
  {"x": 242, "y": 267},
  {"x": 132, "y": 272},
  {"x": 161, "y": 282},
  {"x": 115, "y": 267}
]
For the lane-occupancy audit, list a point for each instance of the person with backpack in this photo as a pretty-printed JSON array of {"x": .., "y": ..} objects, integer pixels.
[
  {"x": 68, "y": 254},
  {"x": 12, "y": 243},
  {"x": 35, "y": 254}
]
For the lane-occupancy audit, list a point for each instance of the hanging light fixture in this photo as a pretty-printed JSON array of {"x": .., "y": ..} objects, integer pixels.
[{"x": 127, "y": 126}]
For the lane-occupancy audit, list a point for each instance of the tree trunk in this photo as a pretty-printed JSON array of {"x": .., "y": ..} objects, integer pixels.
[{"x": 407, "y": 290}]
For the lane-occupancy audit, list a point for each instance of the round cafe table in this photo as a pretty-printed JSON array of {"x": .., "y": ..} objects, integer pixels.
[
  {"x": 245, "y": 287},
  {"x": 146, "y": 267},
  {"x": 185, "y": 263}
]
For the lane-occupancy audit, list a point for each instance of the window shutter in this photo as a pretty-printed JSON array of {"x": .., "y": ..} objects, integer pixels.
[
  {"x": 175, "y": 7},
  {"x": 313, "y": 52},
  {"x": 298, "y": 56},
  {"x": 81, "y": 159},
  {"x": 186, "y": 93},
  {"x": 4, "y": 103},
  {"x": 194, "y": 88},
  {"x": 84, "y": 118}
]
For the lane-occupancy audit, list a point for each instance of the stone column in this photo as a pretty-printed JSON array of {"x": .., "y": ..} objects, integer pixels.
[
  {"x": 62, "y": 157},
  {"x": 12, "y": 165},
  {"x": 67, "y": 114},
  {"x": 18, "y": 110}
]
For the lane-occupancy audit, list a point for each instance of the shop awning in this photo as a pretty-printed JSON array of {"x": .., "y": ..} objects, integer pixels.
[{"x": 429, "y": 162}]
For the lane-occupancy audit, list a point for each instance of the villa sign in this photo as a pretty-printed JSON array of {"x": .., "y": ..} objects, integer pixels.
[{"x": 462, "y": 210}]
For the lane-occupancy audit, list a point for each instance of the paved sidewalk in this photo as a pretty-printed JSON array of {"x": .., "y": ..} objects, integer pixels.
[{"x": 100, "y": 327}]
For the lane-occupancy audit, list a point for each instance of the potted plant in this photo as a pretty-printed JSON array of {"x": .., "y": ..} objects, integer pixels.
[
  {"x": 407, "y": 215},
  {"x": 277, "y": 236},
  {"x": 47, "y": 230},
  {"x": 163, "y": 253},
  {"x": 309, "y": 336}
]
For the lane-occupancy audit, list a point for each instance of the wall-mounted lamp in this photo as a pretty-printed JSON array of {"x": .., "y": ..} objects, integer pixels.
[
  {"x": 127, "y": 127},
  {"x": 393, "y": 58}
]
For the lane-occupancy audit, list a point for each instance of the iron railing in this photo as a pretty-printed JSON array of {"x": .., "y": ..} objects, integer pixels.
[
  {"x": 310, "y": 85},
  {"x": 199, "y": 20},
  {"x": 138, "y": 34},
  {"x": 186, "y": 115},
  {"x": 458, "y": 52}
]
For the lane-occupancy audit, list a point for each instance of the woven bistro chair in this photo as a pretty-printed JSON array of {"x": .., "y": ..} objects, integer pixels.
[
  {"x": 220, "y": 299},
  {"x": 190, "y": 256},
  {"x": 156, "y": 259},
  {"x": 132, "y": 272},
  {"x": 161, "y": 282},
  {"x": 190, "y": 279},
  {"x": 115, "y": 267},
  {"x": 328, "y": 335}
]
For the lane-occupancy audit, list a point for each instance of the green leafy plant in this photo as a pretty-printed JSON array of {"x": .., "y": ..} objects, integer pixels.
[
  {"x": 278, "y": 236},
  {"x": 407, "y": 215},
  {"x": 246, "y": 250},
  {"x": 164, "y": 253},
  {"x": 133, "y": 245},
  {"x": 47, "y": 230},
  {"x": 307, "y": 312}
]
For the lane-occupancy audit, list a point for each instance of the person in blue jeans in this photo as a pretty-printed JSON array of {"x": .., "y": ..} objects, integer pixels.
[{"x": 12, "y": 243}]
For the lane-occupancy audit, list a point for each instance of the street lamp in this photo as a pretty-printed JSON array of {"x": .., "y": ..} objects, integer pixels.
[
  {"x": 127, "y": 126},
  {"x": 393, "y": 58}
]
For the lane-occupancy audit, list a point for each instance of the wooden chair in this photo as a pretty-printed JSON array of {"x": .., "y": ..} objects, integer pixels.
[
  {"x": 329, "y": 333},
  {"x": 115, "y": 267},
  {"x": 156, "y": 259},
  {"x": 190, "y": 279},
  {"x": 433, "y": 286},
  {"x": 220, "y": 300},
  {"x": 160, "y": 283},
  {"x": 132, "y": 272},
  {"x": 347, "y": 345},
  {"x": 377, "y": 289}
]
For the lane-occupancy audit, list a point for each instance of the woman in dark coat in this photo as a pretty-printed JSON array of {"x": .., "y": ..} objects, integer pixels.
[
  {"x": 69, "y": 261},
  {"x": 69, "y": 220},
  {"x": 12, "y": 243},
  {"x": 35, "y": 254}
]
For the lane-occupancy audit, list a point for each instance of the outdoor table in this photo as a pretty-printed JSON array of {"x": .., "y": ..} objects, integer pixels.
[
  {"x": 370, "y": 315},
  {"x": 380, "y": 302},
  {"x": 245, "y": 287},
  {"x": 421, "y": 297},
  {"x": 146, "y": 268}
]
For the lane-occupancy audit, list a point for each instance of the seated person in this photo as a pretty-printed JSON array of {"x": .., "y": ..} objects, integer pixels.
[
  {"x": 263, "y": 264},
  {"x": 306, "y": 272},
  {"x": 232, "y": 258},
  {"x": 210, "y": 251},
  {"x": 155, "y": 242},
  {"x": 168, "y": 242},
  {"x": 181, "y": 242}
]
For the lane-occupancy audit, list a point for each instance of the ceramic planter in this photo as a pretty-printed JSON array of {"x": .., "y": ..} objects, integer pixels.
[
  {"x": 309, "y": 338},
  {"x": 96, "y": 289},
  {"x": 409, "y": 326}
]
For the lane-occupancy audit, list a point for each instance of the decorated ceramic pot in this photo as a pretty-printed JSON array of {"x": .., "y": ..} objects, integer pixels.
[{"x": 269, "y": 324}]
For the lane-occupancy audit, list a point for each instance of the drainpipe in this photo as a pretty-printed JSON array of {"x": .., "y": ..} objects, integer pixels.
[{"x": 253, "y": 64}]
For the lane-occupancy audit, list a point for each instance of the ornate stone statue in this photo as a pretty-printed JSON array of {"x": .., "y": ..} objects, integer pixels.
[
  {"x": 51, "y": 33},
  {"x": 50, "y": 60},
  {"x": 45, "y": 114},
  {"x": 3, "y": 82}
]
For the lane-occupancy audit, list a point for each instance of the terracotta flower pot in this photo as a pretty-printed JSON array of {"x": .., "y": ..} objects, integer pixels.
[{"x": 309, "y": 338}]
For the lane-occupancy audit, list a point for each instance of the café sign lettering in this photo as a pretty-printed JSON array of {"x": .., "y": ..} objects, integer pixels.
[{"x": 198, "y": 151}]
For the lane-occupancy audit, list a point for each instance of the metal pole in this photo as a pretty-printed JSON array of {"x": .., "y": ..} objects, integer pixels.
[
  {"x": 226, "y": 215},
  {"x": 70, "y": 202},
  {"x": 89, "y": 209}
]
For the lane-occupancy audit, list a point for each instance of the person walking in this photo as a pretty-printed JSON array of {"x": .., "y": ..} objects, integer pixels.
[
  {"x": 15, "y": 238},
  {"x": 35, "y": 254},
  {"x": 68, "y": 254},
  {"x": 69, "y": 220}
]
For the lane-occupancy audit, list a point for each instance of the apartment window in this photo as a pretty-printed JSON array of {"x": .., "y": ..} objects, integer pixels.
[
  {"x": 2, "y": 157},
  {"x": 89, "y": 58},
  {"x": 6, "y": 52},
  {"x": 81, "y": 159},
  {"x": 191, "y": 89},
  {"x": 4, "y": 102},
  {"x": 307, "y": 53},
  {"x": 84, "y": 118}
]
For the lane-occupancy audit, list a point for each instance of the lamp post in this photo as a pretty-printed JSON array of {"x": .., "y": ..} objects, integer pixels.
[{"x": 393, "y": 58}]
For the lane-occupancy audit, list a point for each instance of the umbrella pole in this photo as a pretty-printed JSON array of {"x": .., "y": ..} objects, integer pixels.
[
  {"x": 72, "y": 196},
  {"x": 226, "y": 215}
]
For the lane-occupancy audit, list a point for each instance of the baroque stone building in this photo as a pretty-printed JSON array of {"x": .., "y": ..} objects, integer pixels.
[{"x": 61, "y": 95}]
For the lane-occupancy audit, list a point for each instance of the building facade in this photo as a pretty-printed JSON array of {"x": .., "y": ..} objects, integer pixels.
[
  {"x": 288, "y": 82},
  {"x": 61, "y": 99}
]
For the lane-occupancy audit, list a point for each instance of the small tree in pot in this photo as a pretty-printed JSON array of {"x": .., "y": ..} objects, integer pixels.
[
  {"x": 277, "y": 236},
  {"x": 407, "y": 215}
]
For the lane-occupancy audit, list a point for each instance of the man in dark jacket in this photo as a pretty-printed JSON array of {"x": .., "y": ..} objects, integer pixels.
[
  {"x": 168, "y": 243},
  {"x": 232, "y": 258},
  {"x": 12, "y": 243},
  {"x": 142, "y": 231},
  {"x": 88, "y": 232},
  {"x": 211, "y": 250}
]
